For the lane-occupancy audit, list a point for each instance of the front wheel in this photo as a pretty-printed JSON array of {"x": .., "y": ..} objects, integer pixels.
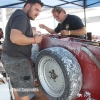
[{"x": 58, "y": 73}]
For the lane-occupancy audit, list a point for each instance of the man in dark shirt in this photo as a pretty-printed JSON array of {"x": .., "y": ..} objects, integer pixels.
[
  {"x": 17, "y": 46},
  {"x": 70, "y": 25}
]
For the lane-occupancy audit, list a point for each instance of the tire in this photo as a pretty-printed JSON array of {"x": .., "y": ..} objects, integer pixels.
[{"x": 59, "y": 73}]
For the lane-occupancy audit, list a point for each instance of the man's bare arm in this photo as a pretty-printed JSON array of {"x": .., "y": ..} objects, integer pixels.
[
  {"x": 47, "y": 28},
  {"x": 78, "y": 32},
  {"x": 17, "y": 37},
  {"x": 81, "y": 31}
]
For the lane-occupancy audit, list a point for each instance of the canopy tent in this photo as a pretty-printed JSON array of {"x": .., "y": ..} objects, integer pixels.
[{"x": 51, "y": 3}]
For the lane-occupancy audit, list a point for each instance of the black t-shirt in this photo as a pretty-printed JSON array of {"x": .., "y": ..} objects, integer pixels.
[
  {"x": 18, "y": 21},
  {"x": 72, "y": 22}
]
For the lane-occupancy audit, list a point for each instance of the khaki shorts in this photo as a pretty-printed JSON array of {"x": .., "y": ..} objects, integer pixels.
[{"x": 19, "y": 71}]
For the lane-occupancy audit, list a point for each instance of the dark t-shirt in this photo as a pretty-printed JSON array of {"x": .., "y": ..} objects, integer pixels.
[
  {"x": 72, "y": 22},
  {"x": 18, "y": 21}
]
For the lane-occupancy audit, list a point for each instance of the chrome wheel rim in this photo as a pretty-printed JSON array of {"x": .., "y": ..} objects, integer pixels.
[{"x": 51, "y": 76}]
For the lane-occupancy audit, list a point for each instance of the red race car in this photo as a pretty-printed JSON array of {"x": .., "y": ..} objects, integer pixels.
[{"x": 68, "y": 68}]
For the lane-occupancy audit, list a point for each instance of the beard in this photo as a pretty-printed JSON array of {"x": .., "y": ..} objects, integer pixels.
[
  {"x": 29, "y": 14},
  {"x": 59, "y": 21}
]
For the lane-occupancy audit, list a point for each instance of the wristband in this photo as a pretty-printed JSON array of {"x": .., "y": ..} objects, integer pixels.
[
  {"x": 34, "y": 40},
  {"x": 69, "y": 32}
]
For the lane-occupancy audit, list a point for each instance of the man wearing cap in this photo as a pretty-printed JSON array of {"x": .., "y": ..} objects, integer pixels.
[
  {"x": 69, "y": 25},
  {"x": 17, "y": 46}
]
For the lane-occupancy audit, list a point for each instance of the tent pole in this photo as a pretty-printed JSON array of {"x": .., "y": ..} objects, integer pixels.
[
  {"x": 3, "y": 19},
  {"x": 85, "y": 21},
  {"x": 85, "y": 16}
]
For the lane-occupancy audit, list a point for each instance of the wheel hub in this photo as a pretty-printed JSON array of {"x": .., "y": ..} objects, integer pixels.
[{"x": 53, "y": 75}]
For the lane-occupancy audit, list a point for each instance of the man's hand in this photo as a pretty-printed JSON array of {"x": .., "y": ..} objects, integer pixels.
[
  {"x": 47, "y": 29},
  {"x": 38, "y": 38},
  {"x": 42, "y": 26},
  {"x": 64, "y": 32}
]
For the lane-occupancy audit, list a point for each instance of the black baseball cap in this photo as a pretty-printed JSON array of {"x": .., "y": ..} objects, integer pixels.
[{"x": 35, "y": 1}]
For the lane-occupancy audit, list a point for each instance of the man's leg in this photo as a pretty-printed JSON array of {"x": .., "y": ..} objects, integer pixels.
[
  {"x": 25, "y": 98},
  {"x": 17, "y": 97},
  {"x": 16, "y": 94}
]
